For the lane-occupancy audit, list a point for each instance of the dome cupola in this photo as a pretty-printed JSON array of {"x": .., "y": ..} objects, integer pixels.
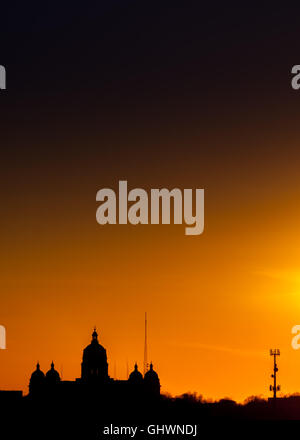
[
  {"x": 37, "y": 380},
  {"x": 136, "y": 376},
  {"x": 52, "y": 376},
  {"x": 151, "y": 381}
]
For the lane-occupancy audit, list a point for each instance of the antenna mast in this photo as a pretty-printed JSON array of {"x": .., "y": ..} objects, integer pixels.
[
  {"x": 145, "y": 347},
  {"x": 274, "y": 387}
]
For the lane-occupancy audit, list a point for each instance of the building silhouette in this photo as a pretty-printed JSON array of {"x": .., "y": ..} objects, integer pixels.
[
  {"x": 83, "y": 407},
  {"x": 94, "y": 379}
]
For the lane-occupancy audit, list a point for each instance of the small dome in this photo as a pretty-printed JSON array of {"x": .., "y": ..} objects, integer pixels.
[
  {"x": 151, "y": 381},
  {"x": 136, "y": 376},
  {"x": 37, "y": 381},
  {"x": 151, "y": 374},
  {"x": 37, "y": 374},
  {"x": 52, "y": 375}
]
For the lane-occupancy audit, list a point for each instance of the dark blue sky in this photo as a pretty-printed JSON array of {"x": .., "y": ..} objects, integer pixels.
[{"x": 127, "y": 66}]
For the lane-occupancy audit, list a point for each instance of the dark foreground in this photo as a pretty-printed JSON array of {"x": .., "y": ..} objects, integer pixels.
[{"x": 91, "y": 419}]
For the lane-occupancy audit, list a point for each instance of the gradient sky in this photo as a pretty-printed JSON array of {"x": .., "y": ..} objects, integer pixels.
[{"x": 173, "y": 96}]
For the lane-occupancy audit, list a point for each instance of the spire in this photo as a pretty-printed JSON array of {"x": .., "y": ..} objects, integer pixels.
[
  {"x": 95, "y": 335},
  {"x": 52, "y": 365},
  {"x": 135, "y": 367}
]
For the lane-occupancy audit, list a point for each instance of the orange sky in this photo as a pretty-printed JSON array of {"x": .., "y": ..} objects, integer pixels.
[
  {"x": 186, "y": 97},
  {"x": 216, "y": 303}
]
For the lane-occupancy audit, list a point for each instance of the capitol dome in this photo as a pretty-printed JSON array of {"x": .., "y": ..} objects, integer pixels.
[{"x": 94, "y": 364}]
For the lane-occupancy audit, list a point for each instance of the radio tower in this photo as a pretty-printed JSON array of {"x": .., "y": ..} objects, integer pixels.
[
  {"x": 274, "y": 387},
  {"x": 145, "y": 347}
]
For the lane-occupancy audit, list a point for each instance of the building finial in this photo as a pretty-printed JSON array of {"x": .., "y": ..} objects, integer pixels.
[{"x": 95, "y": 335}]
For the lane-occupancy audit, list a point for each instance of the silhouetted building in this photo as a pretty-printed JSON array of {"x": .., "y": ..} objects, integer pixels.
[{"x": 94, "y": 379}]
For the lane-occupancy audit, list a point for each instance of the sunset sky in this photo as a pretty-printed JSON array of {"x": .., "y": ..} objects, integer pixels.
[{"x": 175, "y": 96}]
